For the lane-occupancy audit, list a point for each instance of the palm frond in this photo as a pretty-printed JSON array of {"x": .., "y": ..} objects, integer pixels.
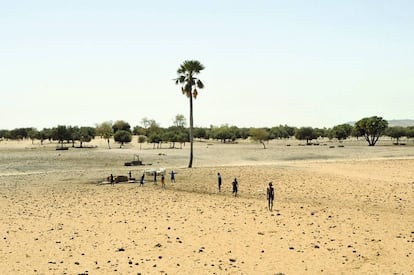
[
  {"x": 181, "y": 70},
  {"x": 192, "y": 66},
  {"x": 200, "y": 84},
  {"x": 180, "y": 79}
]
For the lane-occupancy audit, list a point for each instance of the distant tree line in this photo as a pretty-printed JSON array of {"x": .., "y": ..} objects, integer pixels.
[{"x": 370, "y": 129}]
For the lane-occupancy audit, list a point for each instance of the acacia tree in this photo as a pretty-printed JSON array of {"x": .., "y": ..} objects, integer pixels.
[
  {"x": 33, "y": 134},
  {"x": 86, "y": 134},
  {"x": 305, "y": 133},
  {"x": 186, "y": 77},
  {"x": 342, "y": 131},
  {"x": 179, "y": 121},
  {"x": 259, "y": 134},
  {"x": 371, "y": 128},
  {"x": 122, "y": 136},
  {"x": 396, "y": 132},
  {"x": 61, "y": 134},
  {"x": 106, "y": 131}
]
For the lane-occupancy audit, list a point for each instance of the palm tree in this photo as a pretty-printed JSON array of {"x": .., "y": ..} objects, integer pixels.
[{"x": 189, "y": 83}]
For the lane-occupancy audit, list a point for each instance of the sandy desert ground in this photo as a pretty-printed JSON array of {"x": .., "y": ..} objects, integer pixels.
[{"x": 341, "y": 210}]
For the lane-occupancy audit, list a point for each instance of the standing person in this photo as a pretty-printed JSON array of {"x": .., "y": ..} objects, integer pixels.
[
  {"x": 219, "y": 181},
  {"x": 162, "y": 181},
  {"x": 155, "y": 177},
  {"x": 141, "y": 182},
  {"x": 270, "y": 196},
  {"x": 112, "y": 179},
  {"x": 235, "y": 187},
  {"x": 172, "y": 176}
]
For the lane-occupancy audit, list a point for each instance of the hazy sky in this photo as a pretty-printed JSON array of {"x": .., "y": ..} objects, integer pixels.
[{"x": 301, "y": 63}]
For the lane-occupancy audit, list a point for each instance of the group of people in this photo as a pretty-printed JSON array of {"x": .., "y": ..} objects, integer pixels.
[
  {"x": 172, "y": 178},
  {"x": 142, "y": 179},
  {"x": 270, "y": 193},
  {"x": 235, "y": 184}
]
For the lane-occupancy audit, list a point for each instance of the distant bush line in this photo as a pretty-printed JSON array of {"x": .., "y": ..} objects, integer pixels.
[{"x": 370, "y": 128}]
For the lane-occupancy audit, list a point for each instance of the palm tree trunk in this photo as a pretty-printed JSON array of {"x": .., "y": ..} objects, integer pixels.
[{"x": 190, "y": 164}]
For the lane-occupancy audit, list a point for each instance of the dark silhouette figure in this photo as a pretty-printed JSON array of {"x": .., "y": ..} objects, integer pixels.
[
  {"x": 141, "y": 182},
  {"x": 270, "y": 196},
  {"x": 235, "y": 187},
  {"x": 155, "y": 177},
  {"x": 112, "y": 179},
  {"x": 219, "y": 181},
  {"x": 162, "y": 181},
  {"x": 172, "y": 176}
]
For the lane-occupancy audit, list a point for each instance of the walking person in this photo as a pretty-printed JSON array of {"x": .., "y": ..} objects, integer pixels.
[
  {"x": 155, "y": 177},
  {"x": 219, "y": 181},
  {"x": 235, "y": 187},
  {"x": 172, "y": 174},
  {"x": 163, "y": 181},
  {"x": 270, "y": 196},
  {"x": 141, "y": 182},
  {"x": 112, "y": 179}
]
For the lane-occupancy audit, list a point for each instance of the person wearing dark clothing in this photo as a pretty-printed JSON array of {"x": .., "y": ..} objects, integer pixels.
[
  {"x": 270, "y": 196},
  {"x": 219, "y": 181},
  {"x": 155, "y": 177},
  {"x": 141, "y": 182},
  {"x": 112, "y": 179},
  {"x": 235, "y": 187},
  {"x": 162, "y": 181},
  {"x": 172, "y": 176}
]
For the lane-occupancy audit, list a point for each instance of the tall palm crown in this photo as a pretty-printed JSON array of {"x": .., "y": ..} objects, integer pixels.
[
  {"x": 186, "y": 73},
  {"x": 186, "y": 77}
]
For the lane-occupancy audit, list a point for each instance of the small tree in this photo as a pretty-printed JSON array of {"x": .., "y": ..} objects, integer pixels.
[
  {"x": 342, "y": 131},
  {"x": 200, "y": 133},
  {"x": 46, "y": 133},
  {"x": 122, "y": 137},
  {"x": 86, "y": 134},
  {"x": 155, "y": 138},
  {"x": 356, "y": 132},
  {"x": 260, "y": 135},
  {"x": 33, "y": 134},
  {"x": 396, "y": 132},
  {"x": 121, "y": 125},
  {"x": 139, "y": 131},
  {"x": 141, "y": 140},
  {"x": 73, "y": 134},
  {"x": 223, "y": 133},
  {"x": 172, "y": 134},
  {"x": 371, "y": 128},
  {"x": 61, "y": 134},
  {"x": 105, "y": 130},
  {"x": 305, "y": 133},
  {"x": 179, "y": 121}
]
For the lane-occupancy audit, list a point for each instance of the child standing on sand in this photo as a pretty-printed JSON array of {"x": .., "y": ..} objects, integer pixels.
[
  {"x": 172, "y": 176},
  {"x": 112, "y": 179},
  {"x": 235, "y": 187},
  {"x": 162, "y": 181},
  {"x": 141, "y": 182},
  {"x": 219, "y": 181},
  {"x": 270, "y": 196}
]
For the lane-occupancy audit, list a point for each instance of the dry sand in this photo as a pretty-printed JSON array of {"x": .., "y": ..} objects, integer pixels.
[{"x": 337, "y": 210}]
